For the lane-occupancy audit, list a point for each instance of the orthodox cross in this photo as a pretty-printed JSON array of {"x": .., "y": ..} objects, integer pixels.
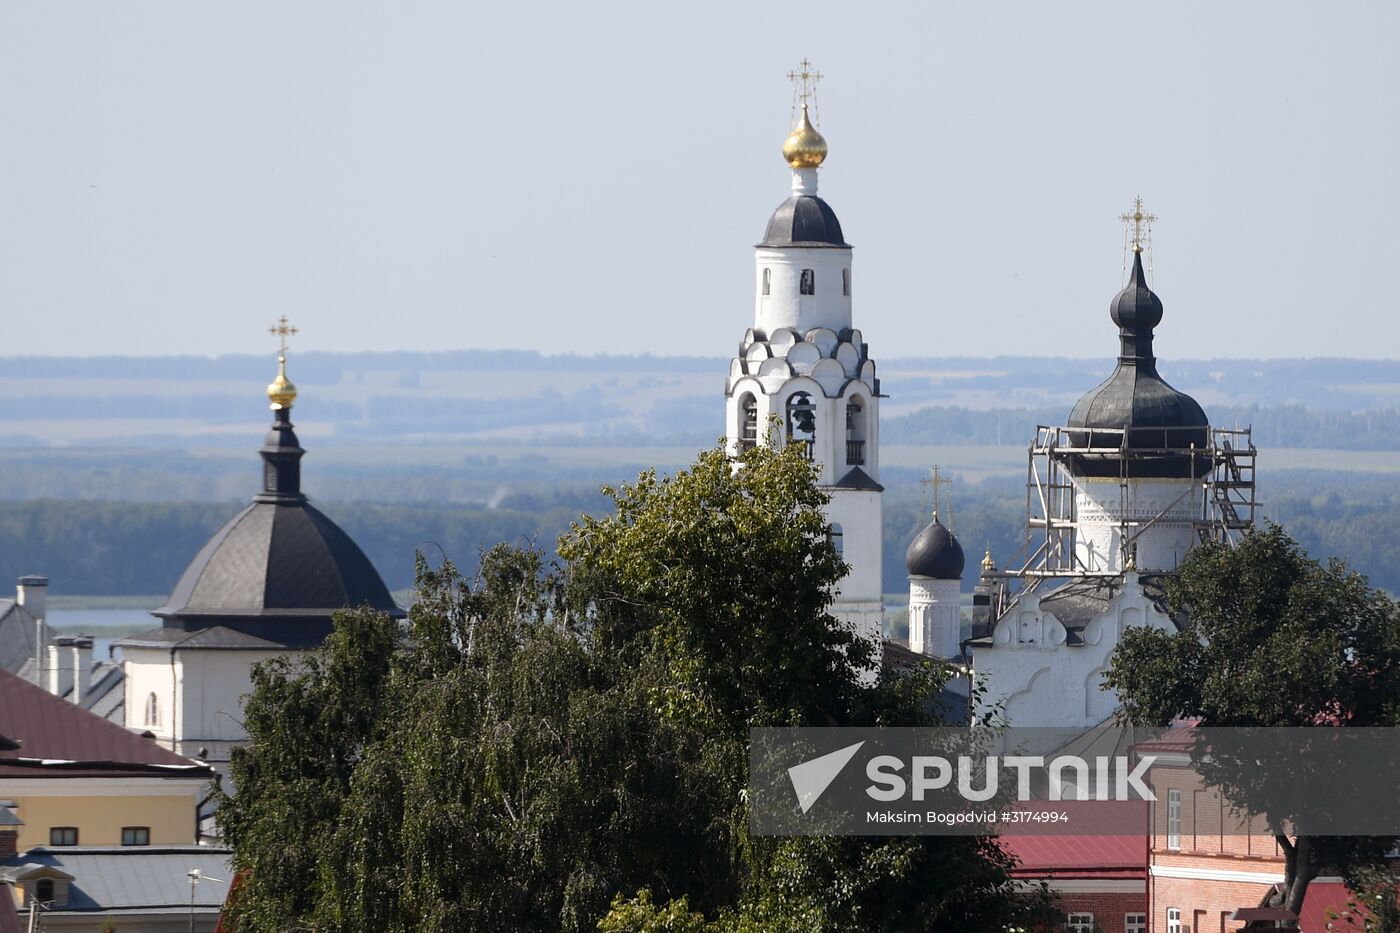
[
  {"x": 282, "y": 330},
  {"x": 1141, "y": 222},
  {"x": 809, "y": 79},
  {"x": 1137, "y": 234},
  {"x": 804, "y": 86},
  {"x": 934, "y": 481}
]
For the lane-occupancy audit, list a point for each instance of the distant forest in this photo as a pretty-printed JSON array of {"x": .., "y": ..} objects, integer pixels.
[
  {"x": 117, "y": 548},
  {"x": 111, "y": 480}
]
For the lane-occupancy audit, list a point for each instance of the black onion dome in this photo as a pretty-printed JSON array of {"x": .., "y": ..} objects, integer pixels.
[
  {"x": 804, "y": 220},
  {"x": 279, "y": 569},
  {"x": 1136, "y": 399},
  {"x": 935, "y": 553}
]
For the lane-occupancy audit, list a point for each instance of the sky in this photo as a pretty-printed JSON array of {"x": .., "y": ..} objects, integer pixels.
[{"x": 570, "y": 177}]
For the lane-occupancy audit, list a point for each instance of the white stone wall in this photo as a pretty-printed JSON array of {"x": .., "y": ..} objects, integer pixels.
[
  {"x": 1041, "y": 680},
  {"x": 199, "y": 694},
  {"x": 860, "y": 513},
  {"x": 935, "y": 620},
  {"x": 1101, "y": 505},
  {"x": 785, "y": 306}
]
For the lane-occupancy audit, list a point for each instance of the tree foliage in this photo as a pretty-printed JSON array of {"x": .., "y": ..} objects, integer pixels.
[
  {"x": 1269, "y": 638},
  {"x": 555, "y": 748}
]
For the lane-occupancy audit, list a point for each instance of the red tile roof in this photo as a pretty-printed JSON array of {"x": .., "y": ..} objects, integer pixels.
[
  {"x": 1321, "y": 897},
  {"x": 59, "y": 739},
  {"x": 1077, "y": 856}
]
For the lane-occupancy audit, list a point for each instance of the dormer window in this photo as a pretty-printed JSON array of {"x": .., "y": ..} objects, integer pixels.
[
  {"x": 767, "y": 280},
  {"x": 43, "y": 891},
  {"x": 807, "y": 284}
]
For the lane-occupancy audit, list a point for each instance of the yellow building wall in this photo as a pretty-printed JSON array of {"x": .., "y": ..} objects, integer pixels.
[{"x": 100, "y": 817}]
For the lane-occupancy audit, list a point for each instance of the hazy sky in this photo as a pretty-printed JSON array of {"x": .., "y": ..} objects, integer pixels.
[{"x": 593, "y": 176}]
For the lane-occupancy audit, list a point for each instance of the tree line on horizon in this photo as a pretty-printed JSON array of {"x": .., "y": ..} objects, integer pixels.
[{"x": 108, "y": 548}]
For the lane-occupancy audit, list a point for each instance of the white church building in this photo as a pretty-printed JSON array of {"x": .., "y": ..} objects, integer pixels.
[{"x": 1122, "y": 493}]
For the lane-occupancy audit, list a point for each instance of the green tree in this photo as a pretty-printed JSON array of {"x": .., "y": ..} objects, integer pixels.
[
  {"x": 1269, "y": 637},
  {"x": 562, "y": 747}
]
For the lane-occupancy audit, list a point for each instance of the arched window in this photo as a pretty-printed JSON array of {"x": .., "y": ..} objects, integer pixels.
[
  {"x": 808, "y": 282},
  {"x": 152, "y": 710},
  {"x": 855, "y": 431},
  {"x": 802, "y": 421},
  {"x": 846, "y": 282},
  {"x": 43, "y": 891},
  {"x": 838, "y": 540},
  {"x": 767, "y": 280},
  {"x": 748, "y": 422}
]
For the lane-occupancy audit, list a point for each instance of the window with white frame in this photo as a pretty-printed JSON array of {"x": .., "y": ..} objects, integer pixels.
[
  {"x": 152, "y": 710},
  {"x": 1135, "y": 923},
  {"x": 1174, "y": 819},
  {"x": 1173, "y": 920},
  {"x": 807, "y": 282},
  {"x": 767, "y": 280},
  {"x": 1080, "y": 923}
]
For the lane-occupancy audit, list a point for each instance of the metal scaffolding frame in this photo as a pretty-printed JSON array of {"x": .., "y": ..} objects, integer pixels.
[{"x": 1223, "y": 489}]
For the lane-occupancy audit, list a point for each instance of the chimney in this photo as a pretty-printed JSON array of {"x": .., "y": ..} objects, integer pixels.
[
  {"x": 59, "y": 673},
  {"x": 9, "y": 829},
  {"x": 33, "y": 594},
  {"x": 82, "y": 667}
]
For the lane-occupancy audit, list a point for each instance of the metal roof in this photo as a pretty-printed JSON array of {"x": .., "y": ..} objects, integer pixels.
[
  {"x": 935, "y": 553},
  {"x": 132, "y": 879},
  {"x": 58, "y": 739},
  {"x": 217, "y": 637},
  {"x": 856, "y": 478},
  {"x": 17, "y": 631},
  {"x": 1135, "y": 398},
  {"x": 804, "y": 220}
]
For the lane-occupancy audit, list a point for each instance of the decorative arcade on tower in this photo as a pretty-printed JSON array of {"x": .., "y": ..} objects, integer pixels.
[{"x": 804, "y": 367}]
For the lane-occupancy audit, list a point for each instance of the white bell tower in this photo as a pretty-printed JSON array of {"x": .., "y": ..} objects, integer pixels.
[{"x": 803, "y": 363}]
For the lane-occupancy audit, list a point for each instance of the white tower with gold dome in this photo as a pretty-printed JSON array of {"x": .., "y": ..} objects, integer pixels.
[{"x": 804, "y": 364}]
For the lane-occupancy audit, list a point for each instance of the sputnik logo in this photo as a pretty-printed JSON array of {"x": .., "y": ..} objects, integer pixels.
[{"x": 811, "y": 778}]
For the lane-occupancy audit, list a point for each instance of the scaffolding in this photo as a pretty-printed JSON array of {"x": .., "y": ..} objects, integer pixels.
[{"x": 1221, "y": 488}]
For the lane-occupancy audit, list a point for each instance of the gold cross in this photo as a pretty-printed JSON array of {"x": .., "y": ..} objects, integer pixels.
[
  {"x": 282, "y": 330},
  {"x": 806, "y": 76},
  {"x": 935, "y": 481},
  {"x": 1139, "y": 219}
]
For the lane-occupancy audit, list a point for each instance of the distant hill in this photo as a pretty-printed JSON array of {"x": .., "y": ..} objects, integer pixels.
[{"x": 520, "y": 396}]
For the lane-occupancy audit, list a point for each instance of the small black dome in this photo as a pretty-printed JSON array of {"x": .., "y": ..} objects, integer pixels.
[
  {"x": 1136, "y": 306},
  {"x": 1136, "y": 398},
  {"x": 804, "y": 220},
  {"x": 935, "y": 553}
]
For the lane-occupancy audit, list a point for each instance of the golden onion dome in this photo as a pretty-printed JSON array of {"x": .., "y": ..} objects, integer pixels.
[
  {"x": 805, "y": 147},
  {"x": 280, "y": 391}
]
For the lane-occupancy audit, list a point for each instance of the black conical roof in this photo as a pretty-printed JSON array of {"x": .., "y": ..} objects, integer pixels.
[
  {"x": 804, "y": 220},
  {"x": 935, "y": 552},
  {"x": 1135, "y": 398}
]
